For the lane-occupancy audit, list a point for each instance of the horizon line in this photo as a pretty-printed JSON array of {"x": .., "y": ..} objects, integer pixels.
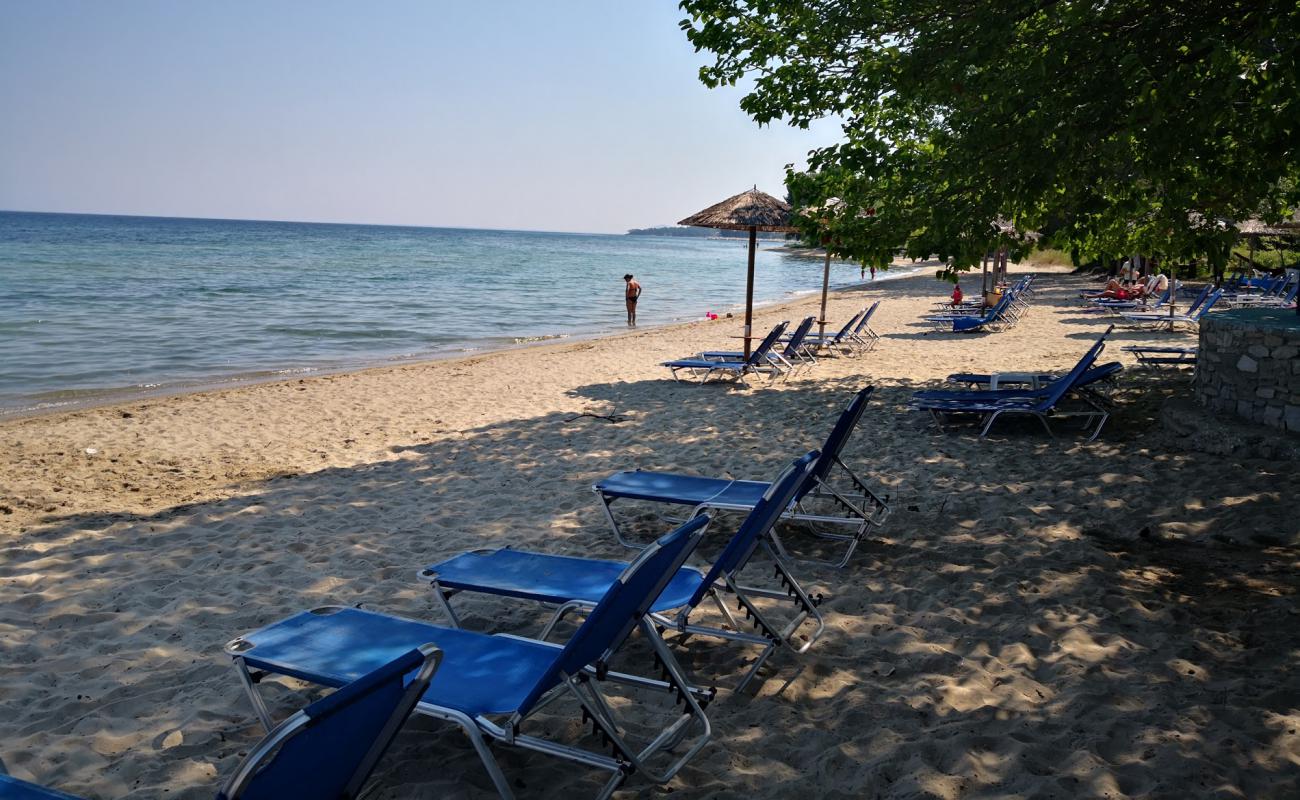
[{"x": 314, "y": 222}]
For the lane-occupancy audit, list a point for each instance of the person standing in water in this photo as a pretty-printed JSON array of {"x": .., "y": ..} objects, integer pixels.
[{"x": 631, "y": 293}]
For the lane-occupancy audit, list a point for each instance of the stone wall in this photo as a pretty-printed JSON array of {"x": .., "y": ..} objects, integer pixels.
[{"x": 1249, "y": 365}]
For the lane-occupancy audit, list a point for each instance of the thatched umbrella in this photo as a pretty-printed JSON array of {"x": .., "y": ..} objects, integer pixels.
[{"x": 751, "y": 211}]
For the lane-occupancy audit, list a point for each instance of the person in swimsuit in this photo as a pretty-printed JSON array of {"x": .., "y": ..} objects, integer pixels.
[{"x": 631, "y": 293}]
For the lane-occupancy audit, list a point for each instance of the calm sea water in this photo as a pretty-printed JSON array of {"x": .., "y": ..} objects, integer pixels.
[{"x": 101, "y": 306}]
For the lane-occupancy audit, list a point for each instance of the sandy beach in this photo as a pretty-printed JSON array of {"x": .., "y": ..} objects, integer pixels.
[{"x": 1039, "y": 618}]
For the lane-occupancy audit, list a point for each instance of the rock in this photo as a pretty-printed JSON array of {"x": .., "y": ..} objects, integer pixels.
[
  {"x": 1292, "y": 418},
  {"x": 1247, "y": 364}
]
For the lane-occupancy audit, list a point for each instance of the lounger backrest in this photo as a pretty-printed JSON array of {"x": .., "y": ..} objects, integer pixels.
[
  {"x": 626, "y": 602},
  {"x": 760, "y": 520},
  {"x": 999, "y": 307},
  {"x": 1098, "y": 373},
  {"x": 1209, "y": 303},
  {"x": 1200, "y": 298},
  {"x": 800, "y": 333},
  {"x": 835, "y": 442},
  {"x": 866, "y": 318},
  {"x": 330, "y": 747},
  {"x": 848, "y": 326},
  {"x": 759, "y": 354},
  {"x": 1064, "y": 384}
]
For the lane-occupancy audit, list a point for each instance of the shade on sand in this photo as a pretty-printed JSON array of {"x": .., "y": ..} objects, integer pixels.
[{"x": 751, "y": 211}]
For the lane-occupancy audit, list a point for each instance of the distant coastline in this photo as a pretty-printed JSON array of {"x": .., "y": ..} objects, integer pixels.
[{"x": 701, "y": 233}]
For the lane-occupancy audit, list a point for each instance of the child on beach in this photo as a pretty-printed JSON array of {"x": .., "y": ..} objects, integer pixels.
[{"x": 956, "y": 295}]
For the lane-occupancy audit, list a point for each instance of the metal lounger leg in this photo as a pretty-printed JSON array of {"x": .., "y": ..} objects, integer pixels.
[
  {"x": 475, "y": 735},
  {"x": 444, "y": 600},
  {"x": 560, "y": 613},
  {"x": 605, "y": 503},
  {"x": 988, "y": 423},
  {"x": 250, "y": 688}
]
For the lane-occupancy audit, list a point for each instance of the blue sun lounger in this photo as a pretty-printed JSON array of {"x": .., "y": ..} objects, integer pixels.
[
  {"x": 990, "y": 405},
  {"x": 491, "y": 686},
  {"x": 1113, "y": 306},
  {"x": 325, "y": 751},
  {"x": 843, "y": 340},
  {"x": 1174, "y": 320},
  {"x": 1027, "y": 383},
  {"x": 833, "y": 502},
  {"x": 1134, "y": 316},
  {"x": 1160, "y": 357},
  {"x": 966, "y": 323},
  {"x": 757, "y": 362},
  {"x": 862, "y": 334},
  {"x": 791, "y": 357},
  {"x": 1279, "y": 297},
  {"x": 576, "y": 584}
]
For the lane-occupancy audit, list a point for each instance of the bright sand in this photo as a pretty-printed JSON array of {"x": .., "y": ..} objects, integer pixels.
[{"x": 1039, "y": 618}]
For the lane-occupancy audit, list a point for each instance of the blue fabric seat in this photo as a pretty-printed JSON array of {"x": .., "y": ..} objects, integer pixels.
[
  {"x": 327, "y": 750},
  {"x": 1159, "y": 357},
  {"x": 1191, "y": 318},
  {"x": 485, "y": 678},
  {"x": 1090, "y": 376},
  {"x": 13, "y": 789},
  {"x": 553, "y": 579},
  {"x": 833, "y": 501},
  {"x": 758, "y": 361},
  {"x": 687, "y": 490},
  {"x": 991, "y": 405},
  {"x": 792, "y": 356},
  {"x": 574, "y": 583},
  {"x": 333, "y": 646}
]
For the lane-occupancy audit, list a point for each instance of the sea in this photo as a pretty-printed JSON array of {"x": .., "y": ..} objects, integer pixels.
[{"x": 99, "y": 308}]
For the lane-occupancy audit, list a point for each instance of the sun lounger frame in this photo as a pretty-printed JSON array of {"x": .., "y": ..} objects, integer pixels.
[
  {"x": 757, "y": 362},
  {"x": 864, "y": 509},
  {"x": 769, "y": 633},
  {"x": 584, "y": 686},
  {"x": 1041, "y": 405}
]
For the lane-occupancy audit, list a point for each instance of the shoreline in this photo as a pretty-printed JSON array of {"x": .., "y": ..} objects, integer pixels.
[{"x": 126, "y": 395}]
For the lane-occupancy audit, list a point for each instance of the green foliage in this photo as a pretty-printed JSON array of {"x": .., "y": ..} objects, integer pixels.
[
  {"x": 1271, "y": 254},
  {"x": 1053, "y": 257},
  {"x": 1111, "y": 127}
]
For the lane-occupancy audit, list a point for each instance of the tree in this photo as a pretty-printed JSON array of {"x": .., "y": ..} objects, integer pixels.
[{"x": 1110, "y": 125}]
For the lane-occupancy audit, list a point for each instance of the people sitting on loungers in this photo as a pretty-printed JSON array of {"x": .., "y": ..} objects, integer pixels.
[{"x": 1119, "y": 291}]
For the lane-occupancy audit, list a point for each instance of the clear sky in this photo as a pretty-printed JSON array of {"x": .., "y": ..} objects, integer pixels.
[{"x": 563, "y": 115}]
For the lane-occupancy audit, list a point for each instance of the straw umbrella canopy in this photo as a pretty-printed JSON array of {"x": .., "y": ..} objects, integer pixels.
[{"x": 751, "y": 211}]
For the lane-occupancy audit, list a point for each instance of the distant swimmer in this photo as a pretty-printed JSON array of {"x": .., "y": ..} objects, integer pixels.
[{"x": 631, "y": 294}]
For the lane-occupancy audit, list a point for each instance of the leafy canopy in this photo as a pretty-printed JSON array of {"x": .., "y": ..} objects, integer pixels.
[{"x": 1110, "y": 125}]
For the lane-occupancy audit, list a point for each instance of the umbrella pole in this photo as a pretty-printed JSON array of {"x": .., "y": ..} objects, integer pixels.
[
  {"x": 826, "y": 280},
  {"x": 749, "y": 288}
]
